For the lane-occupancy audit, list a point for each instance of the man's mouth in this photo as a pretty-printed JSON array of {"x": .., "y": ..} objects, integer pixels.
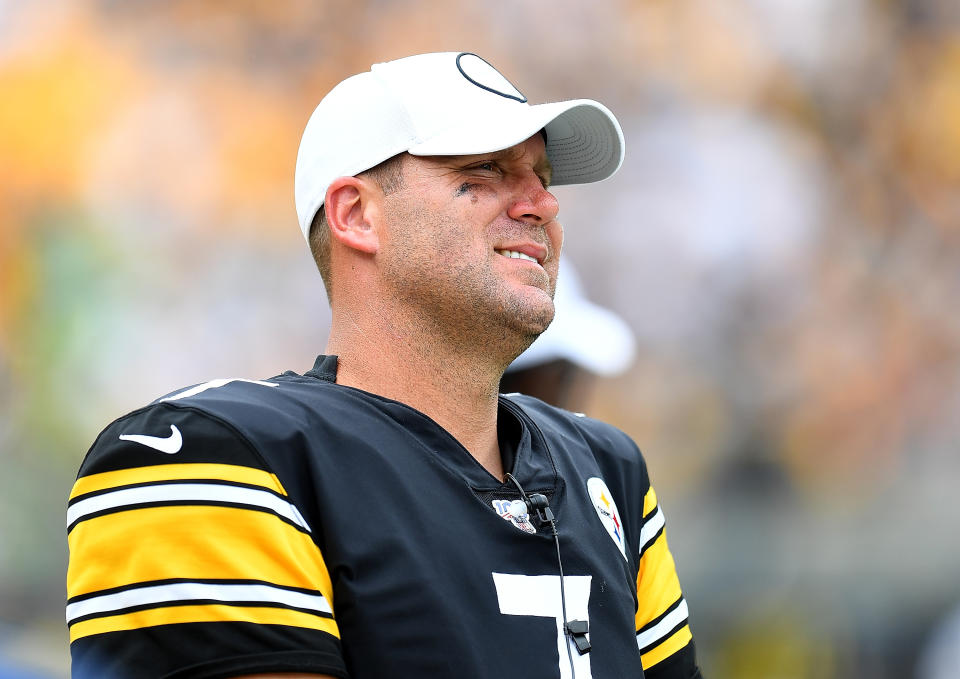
[{"x": 513, "y": 254}]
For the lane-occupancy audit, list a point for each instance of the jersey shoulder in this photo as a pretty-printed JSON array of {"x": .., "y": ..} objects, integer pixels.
[
  {"x": 606, "y": 441},
  {"x": 229, "y": 421},
  {"x": 167, "y": 526}
]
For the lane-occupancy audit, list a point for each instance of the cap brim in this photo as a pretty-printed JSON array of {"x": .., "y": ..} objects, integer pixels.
[{"x": 584, "y": 139}]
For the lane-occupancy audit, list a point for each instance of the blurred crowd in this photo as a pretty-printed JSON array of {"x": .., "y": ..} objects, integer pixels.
[{"x": 783, "y": 240}]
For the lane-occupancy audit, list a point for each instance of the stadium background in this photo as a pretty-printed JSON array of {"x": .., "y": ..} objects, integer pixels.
[{"x": 783, "y": 238}]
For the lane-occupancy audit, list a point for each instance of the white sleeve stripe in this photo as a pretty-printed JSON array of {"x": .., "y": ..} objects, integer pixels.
[
  {"x": 651, "y": 528},
  {"x": 196, "y": 591},
  {"x": 186, "y": 492},
  {"x": 663, "y": 628}
]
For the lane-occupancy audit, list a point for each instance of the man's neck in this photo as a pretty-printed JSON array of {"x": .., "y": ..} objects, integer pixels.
[{"x": 458, "y": 391}]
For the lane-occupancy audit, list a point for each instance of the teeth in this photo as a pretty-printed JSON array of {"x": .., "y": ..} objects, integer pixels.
[{"x": 513, "y": 254}]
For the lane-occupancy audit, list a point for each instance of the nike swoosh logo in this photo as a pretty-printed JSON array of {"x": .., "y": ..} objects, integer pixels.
[{"x": 169, "y": 445}]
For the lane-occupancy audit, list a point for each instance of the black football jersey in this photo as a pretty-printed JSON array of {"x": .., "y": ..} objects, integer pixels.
[{"x": 296, "y": 525}]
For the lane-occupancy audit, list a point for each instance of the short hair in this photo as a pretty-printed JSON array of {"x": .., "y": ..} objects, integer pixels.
[{"x": 389, "y": 177}]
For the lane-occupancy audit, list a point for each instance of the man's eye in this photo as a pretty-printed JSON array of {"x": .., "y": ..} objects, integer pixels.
[{"x": 486, "y": 167}]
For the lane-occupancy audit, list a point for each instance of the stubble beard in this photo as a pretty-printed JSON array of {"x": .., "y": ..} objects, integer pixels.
[{"x": 463, "y": 303}]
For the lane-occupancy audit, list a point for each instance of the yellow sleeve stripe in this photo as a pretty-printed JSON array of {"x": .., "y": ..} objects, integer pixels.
[
  {"x": 649, "y": 501},
  {"x": 661, "y": 610},
  {"x": 193, "y": 542},
  {"x": 176, "y": 472},
  {"x": 174, "y": 615},
  {"x": 674, "y": 643},
  {"x": 658, "y": 586}
]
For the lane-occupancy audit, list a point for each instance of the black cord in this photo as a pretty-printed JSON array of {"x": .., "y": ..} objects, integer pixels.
[
  {"x": 510, "y": 477},
  {"x": 563, "y": 592},
  {"x": 563, "y": 599}
]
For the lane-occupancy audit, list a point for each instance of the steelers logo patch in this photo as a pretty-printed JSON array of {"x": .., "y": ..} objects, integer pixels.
[
  {"x": 607, "y": 511},
  {"x": 479, "y": 72}
]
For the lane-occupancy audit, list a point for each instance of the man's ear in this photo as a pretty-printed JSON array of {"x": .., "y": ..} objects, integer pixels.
[{"x": 351, "y": 209}]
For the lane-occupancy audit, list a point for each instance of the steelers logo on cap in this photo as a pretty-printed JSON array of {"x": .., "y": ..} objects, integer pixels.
[{"x": 483, "y": 75}]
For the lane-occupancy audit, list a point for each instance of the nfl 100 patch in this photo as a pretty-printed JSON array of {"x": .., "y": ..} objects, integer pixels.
[{"x": 514, "y": 511}]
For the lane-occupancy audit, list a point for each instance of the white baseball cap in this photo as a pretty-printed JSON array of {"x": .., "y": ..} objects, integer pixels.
[
  {"x": 584, "y": 333},
  {"x": 444, "y": 104}
]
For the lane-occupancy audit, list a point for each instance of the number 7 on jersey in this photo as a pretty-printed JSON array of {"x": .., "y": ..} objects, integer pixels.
[{"x": 539, "y": 595}]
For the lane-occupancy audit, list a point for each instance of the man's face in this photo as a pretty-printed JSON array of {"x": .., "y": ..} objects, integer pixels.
[{"x": 472, "y": 242}]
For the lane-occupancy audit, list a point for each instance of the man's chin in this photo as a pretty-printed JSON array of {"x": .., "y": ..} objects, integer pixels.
[{"x": 535, "y": 317}]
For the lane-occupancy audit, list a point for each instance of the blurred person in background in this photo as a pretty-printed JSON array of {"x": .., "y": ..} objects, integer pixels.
[
  {"x": 584, "y": 341},
  {"x": 387, "y": 512}
]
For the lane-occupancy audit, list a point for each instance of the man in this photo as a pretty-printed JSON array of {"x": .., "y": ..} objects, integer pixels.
[{"x": 387, "y": 513}]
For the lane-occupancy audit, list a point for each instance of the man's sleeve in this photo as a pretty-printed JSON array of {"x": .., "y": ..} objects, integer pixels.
[
  {"x": 189, "y": 559},
  {"x": 663, "y": 631}
]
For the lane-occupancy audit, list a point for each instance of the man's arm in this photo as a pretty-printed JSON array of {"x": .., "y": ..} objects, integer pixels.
[
  {"x": 188, "y": 557},
  {"x": 663, "y": 629}
]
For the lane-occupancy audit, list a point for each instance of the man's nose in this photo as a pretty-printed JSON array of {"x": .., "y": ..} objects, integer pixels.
[{"x": 533, "y": 203}]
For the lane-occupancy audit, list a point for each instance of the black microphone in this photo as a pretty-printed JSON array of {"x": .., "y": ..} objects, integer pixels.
[{"x": 538, "y": 504}]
